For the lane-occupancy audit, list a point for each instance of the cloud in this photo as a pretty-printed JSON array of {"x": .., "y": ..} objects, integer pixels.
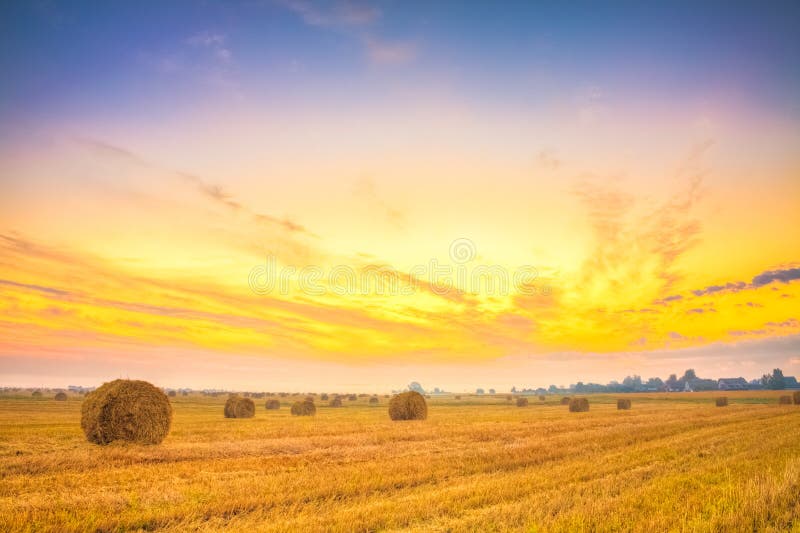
[
  {"x": 335, "y": 13},
  {"x": 548, "y": 159},
  {"x": 784, "y": 276},
  {"x": 210, "y": 191},
  {"x": 789, "y": 323},
  {"x": 38, "y": 288},
  {"x": 389, "y": 53},
  {"x": 728, "y": 287},
  {"x": 215, "y": 42},
  {"x": 365, "y": 188},
  {"x": 769, "y": 276}
]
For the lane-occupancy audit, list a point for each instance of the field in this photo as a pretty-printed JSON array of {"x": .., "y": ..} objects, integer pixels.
[{"x": 675, "y": 462}]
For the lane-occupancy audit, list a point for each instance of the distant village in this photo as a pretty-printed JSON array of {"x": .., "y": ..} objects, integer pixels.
[{"x": 688, "y": 382}]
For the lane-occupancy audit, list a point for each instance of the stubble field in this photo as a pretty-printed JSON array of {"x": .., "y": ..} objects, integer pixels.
[{"x": 675, "y": 462}]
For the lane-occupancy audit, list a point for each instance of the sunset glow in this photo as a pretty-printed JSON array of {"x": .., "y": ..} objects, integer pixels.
[{"x": 642, "y": 169}]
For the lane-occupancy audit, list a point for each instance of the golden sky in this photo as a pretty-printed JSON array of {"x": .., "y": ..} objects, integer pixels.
[{"x": 662, "y": 226}]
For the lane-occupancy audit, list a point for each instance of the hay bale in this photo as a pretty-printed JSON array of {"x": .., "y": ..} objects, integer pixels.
[
  {"x": 374, "y": 399},
  {"x": 509, "y": 397},
  {"x": 578, "y": 405},
  {"x": 352, "y": 397},
  {"x": 323, "y": 397},
  {"x": 522, "y": 401},
  {"x": 541, "y": 398},
  {"x": 184, "y": 393},
  {"x": 36, "y": 394},
  {"x": 785, "y": 400},
  {"x": 239, "y": 407},
  {"x": 458, "y": 397},
  {"x": 623, "y": 404},
  {"x": 722, "y": 401},
  {"x": 796, "y": 397},
  {"x": 565, "y": 400},
  {"x": 272, "y": 404},
  {"x": 60, "y": 397},
  {"x": 128, "y": 410},
  {"x": 304, "y": 408},
  {"x": 335, "y": 402},
  {"x": 172, "y": 394},
  {"x": 408, "y": 406}
]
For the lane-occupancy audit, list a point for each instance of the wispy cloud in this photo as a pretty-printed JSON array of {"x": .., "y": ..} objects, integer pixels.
[
  {"x": 211, "y": 191},
  {"x": 333, "y": 13},
  {"x": 382, "y": 52},
  {"x": 215, "y": 42},
  {"x": 365, "y": 189}
]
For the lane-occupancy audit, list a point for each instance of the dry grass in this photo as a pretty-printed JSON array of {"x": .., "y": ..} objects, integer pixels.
[{"x": 675, "y": 463}]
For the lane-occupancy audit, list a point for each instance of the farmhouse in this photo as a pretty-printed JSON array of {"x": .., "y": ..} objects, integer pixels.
[{"x": 733, "y": 384}]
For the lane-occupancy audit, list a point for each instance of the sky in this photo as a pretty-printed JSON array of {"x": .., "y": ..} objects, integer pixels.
[{"x": 343, "y": 195}]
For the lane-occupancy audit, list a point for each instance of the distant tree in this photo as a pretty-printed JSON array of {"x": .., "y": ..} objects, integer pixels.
[
  {"x": 654, "y": 383},
  {"x": 514, "y": 389},
  {"x": 774, "y": 381},
  {"x": 552, "y": 388},
  {"x": 415, "y": 386},
  {"x": 580, "y": 387},
  {"x": 689, "y": 375},
  {"x": 479, "y": 391},
  {"x": 672, "y": 382},
  {"x": 632, "y": 382}
]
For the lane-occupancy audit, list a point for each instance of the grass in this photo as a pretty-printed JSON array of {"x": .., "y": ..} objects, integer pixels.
[{"x": 674, "y": 462}]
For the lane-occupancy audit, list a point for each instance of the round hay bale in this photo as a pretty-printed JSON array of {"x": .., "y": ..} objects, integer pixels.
[
  {"x": 796, "y": 397},
  {"x": 578, "y": 405},
  {"x": 239, "y": 407},
  {"x": 522, "y": 401},
  {"x": 722, "y": 401},
  {"x": 509, "y": 397},
  {"x": 374, "y": 399},
  {"x": 623, "y": 404},
  {"x": 60, "y": 397},
  {"x": 565, "y": 400},
  {"x": 785, "y": 400},
  {"x": 541, "y": 398},
  {"x": 304, "y": 408},
  {"x": 323, "y": 397},
  {"x": 457, "y": 397},
  {"x": 126, "y": 409},
  {"x": 172, "y": 394},
  {"x": 272, "y": 404},
  {"x": 184, "y": 393},
  {"x": 408, "y": 406},
  {"x": 336, "y": 402},
  {"x": 352, "y": 397},
  {"x": 36, "y": 394}
]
